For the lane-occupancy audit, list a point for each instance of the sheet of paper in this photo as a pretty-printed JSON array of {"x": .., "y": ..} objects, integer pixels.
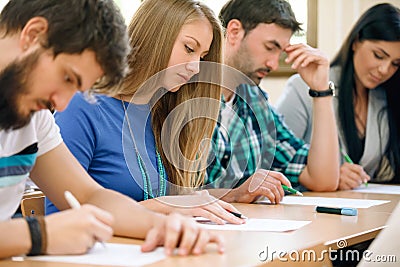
[
  {"x": 112, "y": 254},
  {"x": 265, "y": 225},
  {"x": 328, "y": 201},
  {"x": 379, "y": 189}
]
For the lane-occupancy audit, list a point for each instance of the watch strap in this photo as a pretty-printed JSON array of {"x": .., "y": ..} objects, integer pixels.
[{"x": 329, "y": 92}]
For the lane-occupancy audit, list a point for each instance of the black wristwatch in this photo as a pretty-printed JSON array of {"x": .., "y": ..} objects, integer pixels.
[{"x": 329, "y": 92}]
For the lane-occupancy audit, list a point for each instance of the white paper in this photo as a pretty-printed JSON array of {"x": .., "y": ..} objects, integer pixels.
[
  {"x": 329, "y": 202},
  {"x": 264, "y": 225},
  {"x": 379, "y": 189},
  {"x": 112, "y": 254}
]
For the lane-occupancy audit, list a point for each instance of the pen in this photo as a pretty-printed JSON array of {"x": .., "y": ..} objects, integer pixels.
[
  {"x": 291, "y": 190},
  {"x": 74, "y": 204},
  {"x": 346, "y": 157},
  {"x": 341, "y": 211},
  {"x": 348, "y": 160},
  {"x": 71, "y": 200},
  {"x": 239, "y": 215}
]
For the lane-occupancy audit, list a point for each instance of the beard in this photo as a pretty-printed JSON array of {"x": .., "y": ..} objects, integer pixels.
[
  {"x": 13, "y": 84},
  {"x": 243, "y": 62}
]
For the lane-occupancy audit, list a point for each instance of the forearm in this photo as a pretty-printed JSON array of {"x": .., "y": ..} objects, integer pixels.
[
  {"x": 227, "y": 195},
  {"x": 15, "y": 238},
  {"x": 163, "y": 205},
  {"x": 130, "y": 218},
  {"x": 322, "y": 168},
  {"x": 153, "y": 205}
]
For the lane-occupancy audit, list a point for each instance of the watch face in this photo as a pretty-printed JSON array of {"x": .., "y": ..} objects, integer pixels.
[{"x": 332, "y": 87}]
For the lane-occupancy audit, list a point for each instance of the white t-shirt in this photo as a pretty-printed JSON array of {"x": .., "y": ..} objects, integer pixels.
[
  {"x": 227, "y": 113},
  {"x": 18, "y": 152}
]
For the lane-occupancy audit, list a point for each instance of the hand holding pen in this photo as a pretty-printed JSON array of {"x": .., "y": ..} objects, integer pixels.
[
  {"x": 262, "y": 183},
  {"x": 351, "y": 175},
  {"x": 291, "y": 190},
  {"x": 75, "y": 231},
  {"x": 74, "y": 204}
]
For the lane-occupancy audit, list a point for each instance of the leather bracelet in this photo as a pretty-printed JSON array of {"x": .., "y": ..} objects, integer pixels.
[
  {"x": 43, "y": 232},
  {"x": 36, "y": 236}
]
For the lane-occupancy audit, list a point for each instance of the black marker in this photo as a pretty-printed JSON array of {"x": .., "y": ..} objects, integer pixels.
[{"x": 340, "y": 211}]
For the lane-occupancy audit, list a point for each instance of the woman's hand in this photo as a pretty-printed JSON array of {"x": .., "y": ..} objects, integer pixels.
[
  {"x": 352, "y": 176},
  {"x": 200, "y": 204}
]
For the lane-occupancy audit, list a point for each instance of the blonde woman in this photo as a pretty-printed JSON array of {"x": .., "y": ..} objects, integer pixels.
[{"x": 151, "y": 140}]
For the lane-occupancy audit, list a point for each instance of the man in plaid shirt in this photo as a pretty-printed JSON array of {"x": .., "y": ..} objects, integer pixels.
[{"x": 251, "y": 138}]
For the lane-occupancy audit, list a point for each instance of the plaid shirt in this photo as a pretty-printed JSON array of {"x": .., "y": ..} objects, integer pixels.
[{"x": 256, "y": 138}]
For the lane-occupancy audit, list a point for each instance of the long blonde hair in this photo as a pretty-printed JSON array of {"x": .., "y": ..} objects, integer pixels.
[{"x": 153, "y": 31}]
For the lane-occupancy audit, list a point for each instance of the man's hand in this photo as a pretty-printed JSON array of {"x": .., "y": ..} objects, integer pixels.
[
  {"x": 261, "y": 183},
  {"x": 75, "y": 231},
  {"x": 176, "y": 231},
  {"x": 311, "y": 64}
]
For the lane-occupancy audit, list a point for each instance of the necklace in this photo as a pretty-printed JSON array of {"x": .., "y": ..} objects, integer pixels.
[{"x": 147, "y": 188}]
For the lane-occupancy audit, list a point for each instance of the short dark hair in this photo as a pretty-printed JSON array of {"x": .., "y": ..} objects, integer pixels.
[
  {"x": 74, "y": 26},
  {"x": 253, "y": 12}
]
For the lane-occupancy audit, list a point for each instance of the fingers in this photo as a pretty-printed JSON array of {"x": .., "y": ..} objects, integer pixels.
[
  {"x": 194, "y": 238},
  {"x": 202, "y": 240},
  {"x": 209, "y": 215},
  {"x": 102, "y": 232},
  {"x": 218, "y": 211},
  {"x": 206, "y": 237},
  {"x": 216, "y": 238},
  {"x": 352, "y": 176},
  {"x": 152, "y": 240},
  {"x": 222, "y": 214},
  {"x": 301, "y": 55},
  {"x": 182, "y": 232},
  {"x": 310, "y": 63},
  {"x": 279, "y": 176},
  {"x": 173, "y": 231},
  {"x": 269, "y": 185},
  {"x": 189, "y": 237},
  {"x": 345, "y": 183},
  {"x": 204, "y": 205},
  {"x": 74, "y": 231},
  {"x": 227, "y": 206},
  {"x": 102, "y": 215},
  {"x": 215, "y": 210},
  {"x": 364, "y": 176},
  {"x": 101, "y": 223}
]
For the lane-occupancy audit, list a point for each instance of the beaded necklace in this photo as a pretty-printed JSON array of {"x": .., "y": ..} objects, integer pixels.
[{"x": 147, "y": 188}]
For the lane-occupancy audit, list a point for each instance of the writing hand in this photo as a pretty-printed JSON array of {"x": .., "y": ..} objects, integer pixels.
[
  {"x": 352, "y": 176},
  {"x": 262, "y": 183},
  {"x": 75, "y": 231}
]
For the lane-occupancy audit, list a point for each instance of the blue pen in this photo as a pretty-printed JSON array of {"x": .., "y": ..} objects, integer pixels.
[{"x": 340, "y": 211}]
